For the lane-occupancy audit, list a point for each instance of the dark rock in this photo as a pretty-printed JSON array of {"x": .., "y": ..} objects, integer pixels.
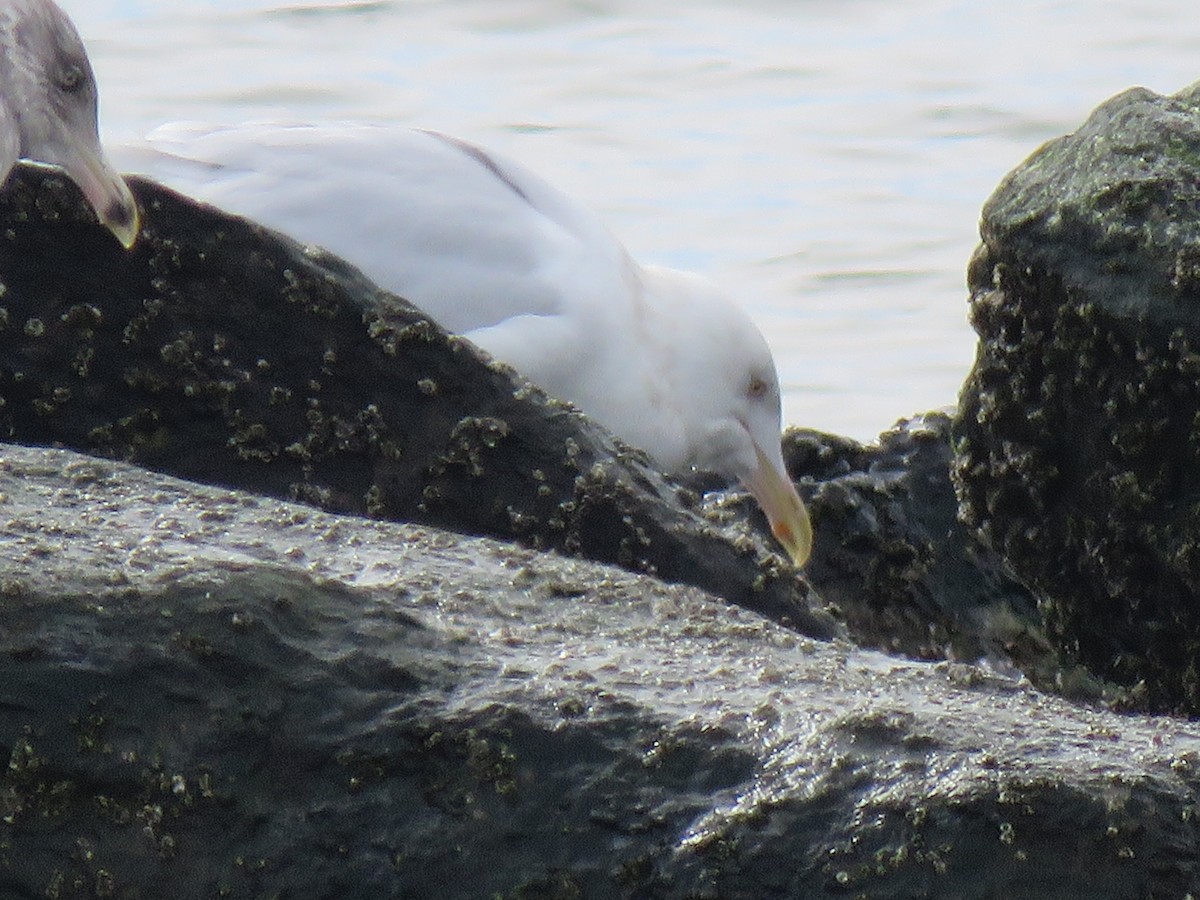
[
  {"x": 207, "y": 693},
  {"x": 1078, "y": 431},
  {"x": 227, "y": 354},
  {"x": 224, "y": 353},
  {"x": 892, "y": 558},
  {"x": 210, "y": 693}
]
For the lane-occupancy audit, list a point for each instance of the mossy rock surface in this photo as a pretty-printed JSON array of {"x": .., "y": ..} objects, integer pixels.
[{"x": 1078, "y": 431}]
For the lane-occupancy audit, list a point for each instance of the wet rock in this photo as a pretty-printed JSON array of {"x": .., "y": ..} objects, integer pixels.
[
  {"x": 207, "y": 693},
  {"x": 1078, "y": 431},
  {"x": 896, "y": 563},
  {"x": 221, "y": 352},
  {"x": 225, "y": 354}
]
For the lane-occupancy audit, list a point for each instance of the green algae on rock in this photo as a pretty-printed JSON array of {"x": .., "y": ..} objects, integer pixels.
[{"x": 1078, "y": 429}]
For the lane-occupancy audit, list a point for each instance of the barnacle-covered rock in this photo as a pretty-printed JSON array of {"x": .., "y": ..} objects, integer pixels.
[
  {"x": 227, "y": 354},
  {"x": 1078, "y": 430},
  {"x": 893, "y": 559},
  {"x": 221, "y": 352},
  {"x": 209, "y": 693}
]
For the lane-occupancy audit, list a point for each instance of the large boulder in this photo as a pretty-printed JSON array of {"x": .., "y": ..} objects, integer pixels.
[
  {"x": 1078, "y": 431},
  {"x": 221, "y": 352},
  {"x": 207, "y": 693}
]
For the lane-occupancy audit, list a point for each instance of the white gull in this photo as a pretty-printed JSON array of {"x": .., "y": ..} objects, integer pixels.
[{"x": 660, "y": 357}]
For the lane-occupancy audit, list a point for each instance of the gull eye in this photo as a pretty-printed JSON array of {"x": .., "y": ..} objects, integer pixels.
[
  {"x": 71, "y": 79},
  {"x": 757, "y": 389}
]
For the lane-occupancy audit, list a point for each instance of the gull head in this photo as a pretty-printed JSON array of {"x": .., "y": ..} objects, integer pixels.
[
  {"x": 48, "y": 108},
  {"x": 726, "y": 390}
]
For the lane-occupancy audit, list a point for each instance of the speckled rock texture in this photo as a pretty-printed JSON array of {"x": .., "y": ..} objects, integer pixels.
[
  {"x": 221, "y": 352},
  {"x": 207, "y": 693},
  {"x": 1078, "y": 431},
  {"x": 895, "y": 563}
]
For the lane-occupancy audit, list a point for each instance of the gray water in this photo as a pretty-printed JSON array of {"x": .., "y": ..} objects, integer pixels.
[{"x": 825, "y": 159}]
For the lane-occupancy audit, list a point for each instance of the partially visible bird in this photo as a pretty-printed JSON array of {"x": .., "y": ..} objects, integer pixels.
[
  {"x": 661, "y": 358},
  {"x": 48, "y": 108}
]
